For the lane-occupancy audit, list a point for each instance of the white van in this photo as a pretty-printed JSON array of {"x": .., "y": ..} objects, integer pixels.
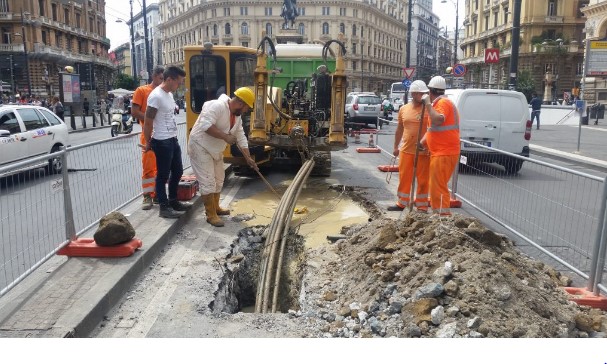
[{"x": 497, "y": 119}]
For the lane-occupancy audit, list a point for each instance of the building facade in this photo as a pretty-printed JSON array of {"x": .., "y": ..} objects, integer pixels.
[
  {"x": 374, "y": 30},
  {"x": 140, "y": 55},
  {"x": 595, "y": 87},
  {"x": 550, "y": 43},
  {"x": 121, "y": 57},
  {"x": 39, "y": 38},
  {"x": 424, "y": 40}
]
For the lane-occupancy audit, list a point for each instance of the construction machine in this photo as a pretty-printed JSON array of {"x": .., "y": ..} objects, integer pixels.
[{"x": 299, "y": 100}]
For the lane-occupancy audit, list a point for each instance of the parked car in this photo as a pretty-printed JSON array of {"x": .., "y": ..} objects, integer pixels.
[
  {"x": 28, "y": 131},
  {"x": 497, "y": 119},
  {"x": 363, "y": 107}
]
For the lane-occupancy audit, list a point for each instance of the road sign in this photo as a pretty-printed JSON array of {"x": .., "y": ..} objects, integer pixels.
[
  {"x": 459, "y": 70},
  {"x": 406, "y": 82},
  {"x": 492, "y": 55},
  {"x": 409, "y": 71}
]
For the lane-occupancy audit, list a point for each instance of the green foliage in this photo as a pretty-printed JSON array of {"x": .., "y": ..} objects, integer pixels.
[
  {"x": 125, "y": 81},
  {"x": 525, "y": 84}
]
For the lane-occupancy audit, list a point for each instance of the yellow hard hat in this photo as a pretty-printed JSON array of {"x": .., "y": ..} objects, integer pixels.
[{"x": 246, "y": 95}]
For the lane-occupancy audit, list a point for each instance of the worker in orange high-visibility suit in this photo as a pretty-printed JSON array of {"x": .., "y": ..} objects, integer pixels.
[
  {"x": 442, "y": 140},
  {"x": 148, "y": 159},
  {"x": 405, "y": 143}
]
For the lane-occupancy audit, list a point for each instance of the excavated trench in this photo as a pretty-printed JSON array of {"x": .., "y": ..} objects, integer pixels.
[{"x": 321, "y": 211}]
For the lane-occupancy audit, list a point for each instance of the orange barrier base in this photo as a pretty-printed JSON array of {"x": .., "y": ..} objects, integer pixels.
[
  {"x": 387, "y": 168},
  {"x": 455, "y": 204},
  {"x": 86, "y": 247},
  {"x": 368, "y": 150},
  {"x": 582, "y": 296}
]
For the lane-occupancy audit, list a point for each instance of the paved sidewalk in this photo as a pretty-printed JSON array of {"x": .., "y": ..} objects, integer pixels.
[{"x": 87, "y": 124}]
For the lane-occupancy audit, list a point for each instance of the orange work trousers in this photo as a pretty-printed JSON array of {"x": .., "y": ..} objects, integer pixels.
[
  {"x": 405, "y": 175},
  {"x": 148, "y": 176},
  {"x": 441, "y": 169}
]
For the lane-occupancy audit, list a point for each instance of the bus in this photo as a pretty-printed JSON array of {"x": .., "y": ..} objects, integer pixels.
[{"x": 397, "y": 94}]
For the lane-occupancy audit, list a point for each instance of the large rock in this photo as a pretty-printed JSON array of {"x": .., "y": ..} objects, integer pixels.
[{"x": 114, "y": 228}]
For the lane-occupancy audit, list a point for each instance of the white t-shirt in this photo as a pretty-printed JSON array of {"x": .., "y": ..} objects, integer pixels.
[{"x": 165, "y": 126}]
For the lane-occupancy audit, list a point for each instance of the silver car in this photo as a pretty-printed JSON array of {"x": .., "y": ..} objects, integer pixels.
[{"x": 363, "y": 108}]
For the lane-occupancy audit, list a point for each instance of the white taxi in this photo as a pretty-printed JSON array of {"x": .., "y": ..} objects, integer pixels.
[{"x": 28, "y": 131}]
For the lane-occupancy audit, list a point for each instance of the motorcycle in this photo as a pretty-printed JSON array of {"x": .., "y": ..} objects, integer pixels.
[{"x": 122, "y": 121}]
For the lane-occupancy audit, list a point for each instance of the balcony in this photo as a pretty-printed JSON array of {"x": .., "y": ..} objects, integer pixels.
[
  {"x": 554, "y": 19},
  {"x": 11, "y": 48}
]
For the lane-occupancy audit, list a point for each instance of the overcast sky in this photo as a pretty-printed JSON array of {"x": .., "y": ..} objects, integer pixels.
[{"x": 119, "y": 32}]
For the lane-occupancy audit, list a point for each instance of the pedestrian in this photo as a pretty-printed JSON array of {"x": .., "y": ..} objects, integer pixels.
[
  {"x": 148, "y": 159},
  {"x": 536, "y": 106},
  {"x": 86, "y": 106},
  {"x": 160, "y": 132},
  {"x": 442, "y": 141},
  {"x": 405, "y": 144},
  {"x": 57, "y": 107},
  {"x": 219, "y": 124}
]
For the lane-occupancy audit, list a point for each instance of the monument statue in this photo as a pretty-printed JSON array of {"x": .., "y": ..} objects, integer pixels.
[{"x": 289, "y": 13}]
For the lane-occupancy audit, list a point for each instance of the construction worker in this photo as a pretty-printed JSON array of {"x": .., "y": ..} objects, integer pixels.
[
  {"x": 442, "y": 140},
  {"x": 405, "y": 143},
  {"x": 148, "y": 159},
  {"x": 218, "y": 124}
]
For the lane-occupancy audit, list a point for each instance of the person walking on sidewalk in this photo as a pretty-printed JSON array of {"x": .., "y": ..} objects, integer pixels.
[
  {"x": 219, "y": 124},
  {"x": 160, "y": 132},
  {"x": 405, "y": 144},
  {"x": 536, "y": 106},
  {"x": 57, "y": 107},
  {"x": 148, "y": 158},
  {"x": 442, "y": 140}
]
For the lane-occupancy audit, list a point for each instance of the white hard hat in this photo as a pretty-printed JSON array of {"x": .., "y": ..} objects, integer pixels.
[
  {"x": 418, "y": 86},
  {"x": 437, "y": 82}
]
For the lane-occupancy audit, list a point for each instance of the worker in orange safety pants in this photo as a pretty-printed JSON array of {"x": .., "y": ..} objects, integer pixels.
[
  {"x": 148, "y": 159},
  {"x": 405, "y": 143},
  {"x": 442, "y": 140}
]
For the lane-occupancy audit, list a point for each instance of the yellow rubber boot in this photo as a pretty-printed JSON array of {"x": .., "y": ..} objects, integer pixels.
[
  {"x": 209, "y": 207},
  {"x": 220, "y": 211}
]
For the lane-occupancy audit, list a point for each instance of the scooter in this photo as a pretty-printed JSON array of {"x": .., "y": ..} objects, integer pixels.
[{"x": 122, "y": 121}]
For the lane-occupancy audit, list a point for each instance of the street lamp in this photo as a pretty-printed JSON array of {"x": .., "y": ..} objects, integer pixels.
[
  {"x": 456, "y": 4},
  {"x": 27, "y": 64}
]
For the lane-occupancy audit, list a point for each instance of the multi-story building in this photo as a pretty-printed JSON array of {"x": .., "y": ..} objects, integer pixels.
[
  {"x": 121, "y": 57},
  {"x": 550, "y": 42},
  {"x": 374, "y": 30},
  {"x": 39, "y": 38},
  {"x": 444, "y": 54},
  {"x": 140, "y": 54},
  {"x": 595, "y": 86},
  {"x": 424, "y": 40}
]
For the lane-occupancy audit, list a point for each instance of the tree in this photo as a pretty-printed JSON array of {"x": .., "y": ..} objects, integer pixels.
[
  {"x": 125, "y": 81},
  {"x": 525, "y": 84}
]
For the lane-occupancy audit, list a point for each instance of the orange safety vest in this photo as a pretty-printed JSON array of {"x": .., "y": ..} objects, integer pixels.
[{"x": 444, "y": 139}]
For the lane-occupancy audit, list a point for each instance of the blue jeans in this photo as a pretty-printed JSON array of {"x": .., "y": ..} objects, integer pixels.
[
  {"x": 535, "y": 114},
  {"x": 169, "y": 166}
]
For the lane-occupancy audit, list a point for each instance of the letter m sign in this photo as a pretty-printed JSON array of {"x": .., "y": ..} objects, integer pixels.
[{"x": 492, "y": 55}]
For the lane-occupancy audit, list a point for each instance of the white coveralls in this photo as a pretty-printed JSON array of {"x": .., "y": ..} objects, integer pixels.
[{"x": 205, "y": 151}]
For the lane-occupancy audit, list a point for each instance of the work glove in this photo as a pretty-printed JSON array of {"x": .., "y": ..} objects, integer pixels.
[{"x": 426, "y": 99}]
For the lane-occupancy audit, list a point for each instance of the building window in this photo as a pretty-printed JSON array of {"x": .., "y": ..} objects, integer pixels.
[
  {"x": 44, "y": 37},
  {"x": 495, "y": 19},
  {"x": 54, "y": 11},
  {"x": 214, "y": 30},
  {"x": 552, "y": 8},
  {"x": 549, "y": 68},
  {"x": 355, "y": 13},
  {"x": 342, "y": 11},
  {"x": 326, "y": 10},
  {"x": 325, "y": 28},
  {"x": 244, "y": 29},
  {"x": 342, "y": 28},
  {"x": 245, "y": 44},
  {"x": 268, "y": 29},
  {"x": 77, "y": 20},
  {"x": 353, "y": 48},
  {"x": 41, "y": 4},
  {"x": 487, "y": 22},
  {"x": 244, "y": 10},
  {"x": 228, "y": 29},
  {"x": 226, "y": 11},
  {"x": 579, "y": 69},
  {"x": 354, "y": 30},
  {"x": 353, "y": 65},
  {"x": 301, "y": 28},
  {"x": 214, "y": 13},
  {"x": 66, "y": 16},
  {"x": 268, "y": 11},
  {"x": 301, "y": 11},
  {"x": 506, "y": 15},
  {"x": 91, "y": 25}
]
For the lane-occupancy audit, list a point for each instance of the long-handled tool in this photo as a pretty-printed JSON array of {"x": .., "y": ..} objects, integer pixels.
[
  {"x": 419, "y": 135},
  {"x": 261, "y": 176}
]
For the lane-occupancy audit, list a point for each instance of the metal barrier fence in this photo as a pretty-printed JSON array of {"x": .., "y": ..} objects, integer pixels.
[
  {"x": 558, "y": 212},
  {"x": 40, "y": 213}
]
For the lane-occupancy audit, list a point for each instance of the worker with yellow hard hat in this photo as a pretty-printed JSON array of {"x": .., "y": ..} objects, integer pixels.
[{"x": 218, "y": 124}]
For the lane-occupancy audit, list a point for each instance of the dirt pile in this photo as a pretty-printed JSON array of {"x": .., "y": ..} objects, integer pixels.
[{"x": 431, "y": 277}]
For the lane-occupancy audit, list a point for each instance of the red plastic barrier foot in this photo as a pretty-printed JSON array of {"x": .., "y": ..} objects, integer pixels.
[
  {"x": 455, "y": 204},
  {"x": 387, "y": 168},
  {"x": 368, "y": 150},
  {"x": 86, "y": 247},
  {"x": 581, "y": 296}
]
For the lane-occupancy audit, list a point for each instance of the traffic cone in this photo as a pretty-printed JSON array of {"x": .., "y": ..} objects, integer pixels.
[{"x": 357, "y": 138}]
